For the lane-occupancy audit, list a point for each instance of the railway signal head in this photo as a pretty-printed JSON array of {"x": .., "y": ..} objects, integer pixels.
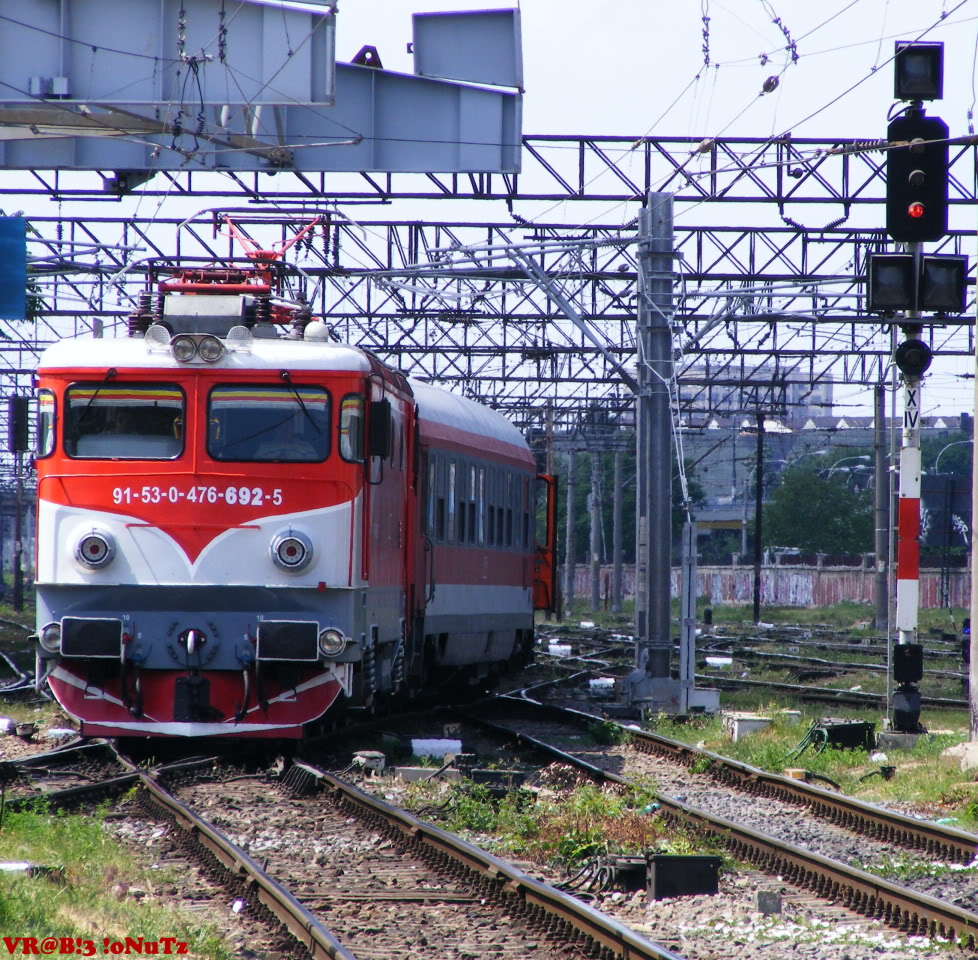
[
  {"x": 913, "y": 357},
  {"x": 918, "y": 71},
  {"x": 932, "y": 283},
  {"x": 916, "y": 178}
]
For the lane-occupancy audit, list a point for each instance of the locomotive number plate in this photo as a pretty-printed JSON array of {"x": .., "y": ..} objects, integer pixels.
[{"x": 232, "y": 495}]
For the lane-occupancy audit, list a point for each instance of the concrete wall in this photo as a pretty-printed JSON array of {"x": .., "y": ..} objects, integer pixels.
[{"x": 784, "y": 586}]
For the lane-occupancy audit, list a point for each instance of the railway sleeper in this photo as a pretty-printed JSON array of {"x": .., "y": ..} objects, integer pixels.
[{"x": 218, "y": 873}]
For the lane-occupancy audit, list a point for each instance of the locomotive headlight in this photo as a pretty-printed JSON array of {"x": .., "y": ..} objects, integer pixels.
[
  {"x": 210, "y": 349},
  {"x": 292, "y": 551},
  {"x": 96, "y": 549},
  {"x": 184, "y": 349},
  {"x": 50, "y": 637},
  {"x": 331, "y": 642}
]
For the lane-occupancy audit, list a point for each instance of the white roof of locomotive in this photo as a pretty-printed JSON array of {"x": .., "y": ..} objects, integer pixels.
[
  {"x": 263, "y": 353},
  {"x": 435, "y": 403}
]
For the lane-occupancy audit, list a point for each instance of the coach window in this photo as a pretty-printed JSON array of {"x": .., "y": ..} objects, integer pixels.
[
  {"x": 463, "y": 497},
  {"x": 133, "y": 421},
  {"x": 490, "y": 507},
  {"x": 430, "y": 513},
  {"x": 350, "y": 428},
  {"x": 480, "y": 499},
  {"x": 509, "y": 509},
  {"x": 473, "y": 493},
  {"x": 440, "y": 503},
  {"x": 45, "y": 423},
  {"x": 500, "y": 511},
  {"x": 268, "y": 422},
  {"x": 452, "y": 499}
]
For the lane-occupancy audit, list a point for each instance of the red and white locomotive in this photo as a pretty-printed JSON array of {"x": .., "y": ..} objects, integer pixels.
[{"x": 242, "y": 522}]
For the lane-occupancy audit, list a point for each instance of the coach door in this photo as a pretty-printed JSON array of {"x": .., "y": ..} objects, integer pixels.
[{"x": 545, "y": 555}]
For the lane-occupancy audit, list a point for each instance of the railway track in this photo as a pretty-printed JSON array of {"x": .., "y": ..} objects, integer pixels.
[
  {"x": 368, "y": 867},
  {"x": 347, "y": 875},
  {"x": 795, "y": 662},
  {"x": 821, "y": 694},
  {"x": 618, "y": 658},
  {"x": 872, "y": 832}
]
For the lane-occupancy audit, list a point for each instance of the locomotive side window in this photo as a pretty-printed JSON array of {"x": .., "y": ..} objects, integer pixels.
[
  {"x": 133, "y": 421},
  {"x": 268, "y": 422},
  {"x": 351, "y": 425},
  {"x": 46, "y": 409}
]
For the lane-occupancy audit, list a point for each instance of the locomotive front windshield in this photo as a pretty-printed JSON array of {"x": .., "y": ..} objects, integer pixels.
[
  {"x": 126, "y": 422},
  {"x": 268, "y": 423}
]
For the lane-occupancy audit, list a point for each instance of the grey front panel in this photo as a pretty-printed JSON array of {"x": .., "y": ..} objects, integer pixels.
[{"x": 228, "y": 619}]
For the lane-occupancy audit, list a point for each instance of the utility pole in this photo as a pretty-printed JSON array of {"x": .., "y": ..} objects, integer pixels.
[
  {"x": 650, "y": 685},
  {"x": 595, "y": 530},
  {"x": 651, "y": 682},
  {"x": 18, "y": 603},
  {"x": 616, "y": 590},
  {"x": 758, "y": 514},
  {"x": 17, "y": 442},
  {"x": 972, "y": 639},
  {"x": 570, "y": 539},
  {"x": 881, "y": 509}
]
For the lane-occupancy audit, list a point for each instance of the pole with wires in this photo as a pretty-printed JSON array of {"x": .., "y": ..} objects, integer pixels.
[{"x": 653, "y": 684}]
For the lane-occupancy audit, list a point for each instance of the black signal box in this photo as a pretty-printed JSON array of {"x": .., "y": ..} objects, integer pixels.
[
  {"x": 916, "y": 178},
  {"x": 908, "y": 663}
]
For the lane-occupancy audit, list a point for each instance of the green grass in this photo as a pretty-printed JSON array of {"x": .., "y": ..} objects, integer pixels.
[
  {"x": 561, "y": 828},
  {"x": 91, "y": 902},
  {"x": 921, "y": 780},
  {"x": 843, "y": 616}
]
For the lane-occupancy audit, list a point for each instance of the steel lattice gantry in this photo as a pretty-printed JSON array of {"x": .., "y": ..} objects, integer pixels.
[{"x": 764, "y": 298}]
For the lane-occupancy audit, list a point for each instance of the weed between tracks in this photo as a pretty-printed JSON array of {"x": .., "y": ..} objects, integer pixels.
[
  {"x": 564, "y": 827},
  {"x": 104, "y": 892}
]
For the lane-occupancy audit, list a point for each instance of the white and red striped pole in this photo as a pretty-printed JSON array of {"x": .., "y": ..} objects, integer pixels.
[
  {"x": 913, "y": 357},
  {"x": 908, "y": 517}
]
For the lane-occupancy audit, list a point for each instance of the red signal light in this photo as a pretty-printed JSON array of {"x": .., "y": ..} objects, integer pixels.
[{"x": 916, "y": 210}]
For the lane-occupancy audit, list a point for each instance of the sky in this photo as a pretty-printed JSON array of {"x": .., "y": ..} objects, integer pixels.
[
  {"x": 703, "y": 68},
  {"x": 633, "y": 67},
  {"x": 698, "y": 68}
]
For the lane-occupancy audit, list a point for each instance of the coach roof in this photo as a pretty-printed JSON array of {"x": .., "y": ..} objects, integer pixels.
[{"x": 450, "y": 410}]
